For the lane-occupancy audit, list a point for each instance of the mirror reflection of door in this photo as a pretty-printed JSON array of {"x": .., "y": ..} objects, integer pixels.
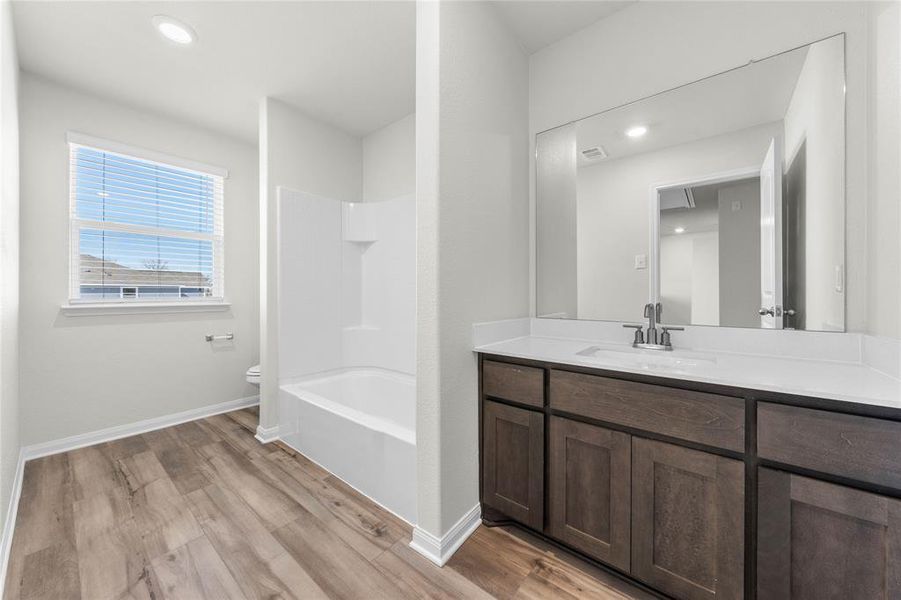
[
  {"x": 794, "y": 239},
  {"x": 709, "y": 251},
  {"x": 771, "y": 238}
]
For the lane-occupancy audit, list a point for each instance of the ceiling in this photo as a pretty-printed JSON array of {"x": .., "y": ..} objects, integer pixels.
[
  {"x": 350, "y": 64},
  {"x": 745, "y": 97},
  {"x": 540, "y": 23}
]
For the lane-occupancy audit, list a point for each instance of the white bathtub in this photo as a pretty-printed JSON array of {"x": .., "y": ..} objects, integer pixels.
[{"x": 360, "y": 425}]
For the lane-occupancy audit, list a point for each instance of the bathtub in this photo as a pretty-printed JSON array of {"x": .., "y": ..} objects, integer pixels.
[{"x": 360, "y": 425}]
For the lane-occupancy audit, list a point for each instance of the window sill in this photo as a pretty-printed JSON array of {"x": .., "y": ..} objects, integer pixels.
[{"x": 92, "y": 309}]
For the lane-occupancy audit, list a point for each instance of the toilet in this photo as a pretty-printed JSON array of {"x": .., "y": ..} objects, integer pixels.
[{"x": 253, "y": 375}]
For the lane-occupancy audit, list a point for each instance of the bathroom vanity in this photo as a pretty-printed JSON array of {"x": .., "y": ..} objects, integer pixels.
[
  {"x": 762, "y": 457},
  {"x": 695, "y": 489}
]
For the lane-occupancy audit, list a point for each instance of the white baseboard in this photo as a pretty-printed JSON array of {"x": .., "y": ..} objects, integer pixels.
[
  {"x": 120, "y": 431},
  {"x": 266, "y": 435},
  {"x": 439, "y": 550},
  {"x": 6, "y": 539}
]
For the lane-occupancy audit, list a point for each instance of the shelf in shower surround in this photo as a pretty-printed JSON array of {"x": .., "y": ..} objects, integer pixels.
[
  {"x": 361, "y": 328},
  {"x": 359, "y": 222}
]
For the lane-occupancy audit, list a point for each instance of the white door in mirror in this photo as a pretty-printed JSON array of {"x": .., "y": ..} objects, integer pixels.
[{"x": 771, "y": 238}]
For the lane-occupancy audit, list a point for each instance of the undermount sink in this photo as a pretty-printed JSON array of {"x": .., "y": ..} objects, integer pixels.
[{"x": 647, "y": 359}]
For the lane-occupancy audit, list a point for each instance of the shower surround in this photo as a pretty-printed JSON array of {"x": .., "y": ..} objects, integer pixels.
[{"x": 347, "y": 308}]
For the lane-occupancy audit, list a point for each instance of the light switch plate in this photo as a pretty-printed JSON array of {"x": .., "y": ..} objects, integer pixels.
[{"x": 641, "y": 261}]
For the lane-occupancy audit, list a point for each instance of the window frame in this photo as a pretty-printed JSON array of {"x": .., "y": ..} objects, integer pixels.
[{"x": 115, "y": 305}]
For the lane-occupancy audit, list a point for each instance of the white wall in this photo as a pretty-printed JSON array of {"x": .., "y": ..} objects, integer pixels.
[
  {"x": 310, "y": 284},
  {"x": 9, "y": 259},
  {"x": 815, "y": 115},
  {"x": 556, "y": 263},
  {"x": 80, "y": 374},
  {"x": 666, "y": 44},
  {"x": 389, "y": 161},
  {"x": 305, "y": 155},
  {"x": 690, "y": 278},
  {"x": 676, "y": 259},
  {"x": 705, "y": 279},
  {"x": 472, "y": 233},
  {"x": 884, "y": 218},
  {"x": 739, "y": 249},
  {"x": 387, "y": 337},
  {"x": 614, "y": 214}
]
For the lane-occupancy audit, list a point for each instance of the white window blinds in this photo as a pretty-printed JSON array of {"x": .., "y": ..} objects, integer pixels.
[{"x": 143, "y": 230}]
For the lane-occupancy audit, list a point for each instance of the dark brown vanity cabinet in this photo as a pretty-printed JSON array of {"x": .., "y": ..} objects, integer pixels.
[
  {"x": 589, "y": 489},
  {"x": 687, "y": 521},
  {"x": 818, "y": 539},
  {"x": 513, "y": 462},
  {"x": 700, "y": 492},
  {"x": 822, "y": 541}
]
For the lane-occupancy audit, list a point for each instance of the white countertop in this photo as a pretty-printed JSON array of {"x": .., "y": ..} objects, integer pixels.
[{"x": 842, "y": 380}]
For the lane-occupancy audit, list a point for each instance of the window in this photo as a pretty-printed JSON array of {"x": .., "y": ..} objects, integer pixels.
[{"x": 144, "y": 227}]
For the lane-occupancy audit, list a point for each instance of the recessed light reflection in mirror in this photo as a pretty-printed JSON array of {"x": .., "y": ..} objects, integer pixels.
[
  {"x": 174, "y": 30},
  {"x": 637, "y": 131}
]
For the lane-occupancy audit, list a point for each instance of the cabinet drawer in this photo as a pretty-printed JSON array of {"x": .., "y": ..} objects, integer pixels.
[
  {"x": 859, "y": 448},
  {"x": 513, "y": 382},
  {"x": 699, "y": 417}
]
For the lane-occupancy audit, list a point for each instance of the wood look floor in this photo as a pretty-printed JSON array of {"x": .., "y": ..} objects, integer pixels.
[{"x": 203, "y": 510}]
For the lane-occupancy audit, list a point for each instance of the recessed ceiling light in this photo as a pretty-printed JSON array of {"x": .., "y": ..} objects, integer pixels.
[
  {"x": 637, "y": 131},
  {"x": 679, "y": 230},
  {"x": 174, "y": 30}
]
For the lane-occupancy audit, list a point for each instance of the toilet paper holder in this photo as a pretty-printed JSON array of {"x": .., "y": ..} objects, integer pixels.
[{"x": 220, "y": 338}]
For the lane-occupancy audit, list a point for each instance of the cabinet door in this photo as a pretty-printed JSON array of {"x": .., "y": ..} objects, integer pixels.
[
  {"x": 513, "y": 462},
  {"x": 590, "y": 490},
  {"x": 687, "y": 521},
  {"x": 819, "y": 540}
]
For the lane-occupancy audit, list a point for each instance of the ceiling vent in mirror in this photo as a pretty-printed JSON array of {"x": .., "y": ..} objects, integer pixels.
[
  {"x": 676, "y": 198},
  {"x": 595, "y": 153}
]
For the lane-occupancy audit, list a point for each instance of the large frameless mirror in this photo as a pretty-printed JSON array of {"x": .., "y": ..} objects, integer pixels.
[{"x": 723, "y": 200}]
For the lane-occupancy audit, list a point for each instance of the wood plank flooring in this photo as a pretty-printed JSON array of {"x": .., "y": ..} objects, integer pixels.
[{"x": 203, "y": 510}]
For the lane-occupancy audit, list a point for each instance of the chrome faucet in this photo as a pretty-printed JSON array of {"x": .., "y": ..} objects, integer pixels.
[
  {"x": 652, "y": 314},
  {"x": 650, "y": 341}
]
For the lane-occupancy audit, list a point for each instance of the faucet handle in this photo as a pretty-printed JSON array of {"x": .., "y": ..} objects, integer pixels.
[
  {"x": 647, "y": 310},
  {"x": 665, "y": 340},
  {"x": 639, "y": 334}
]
